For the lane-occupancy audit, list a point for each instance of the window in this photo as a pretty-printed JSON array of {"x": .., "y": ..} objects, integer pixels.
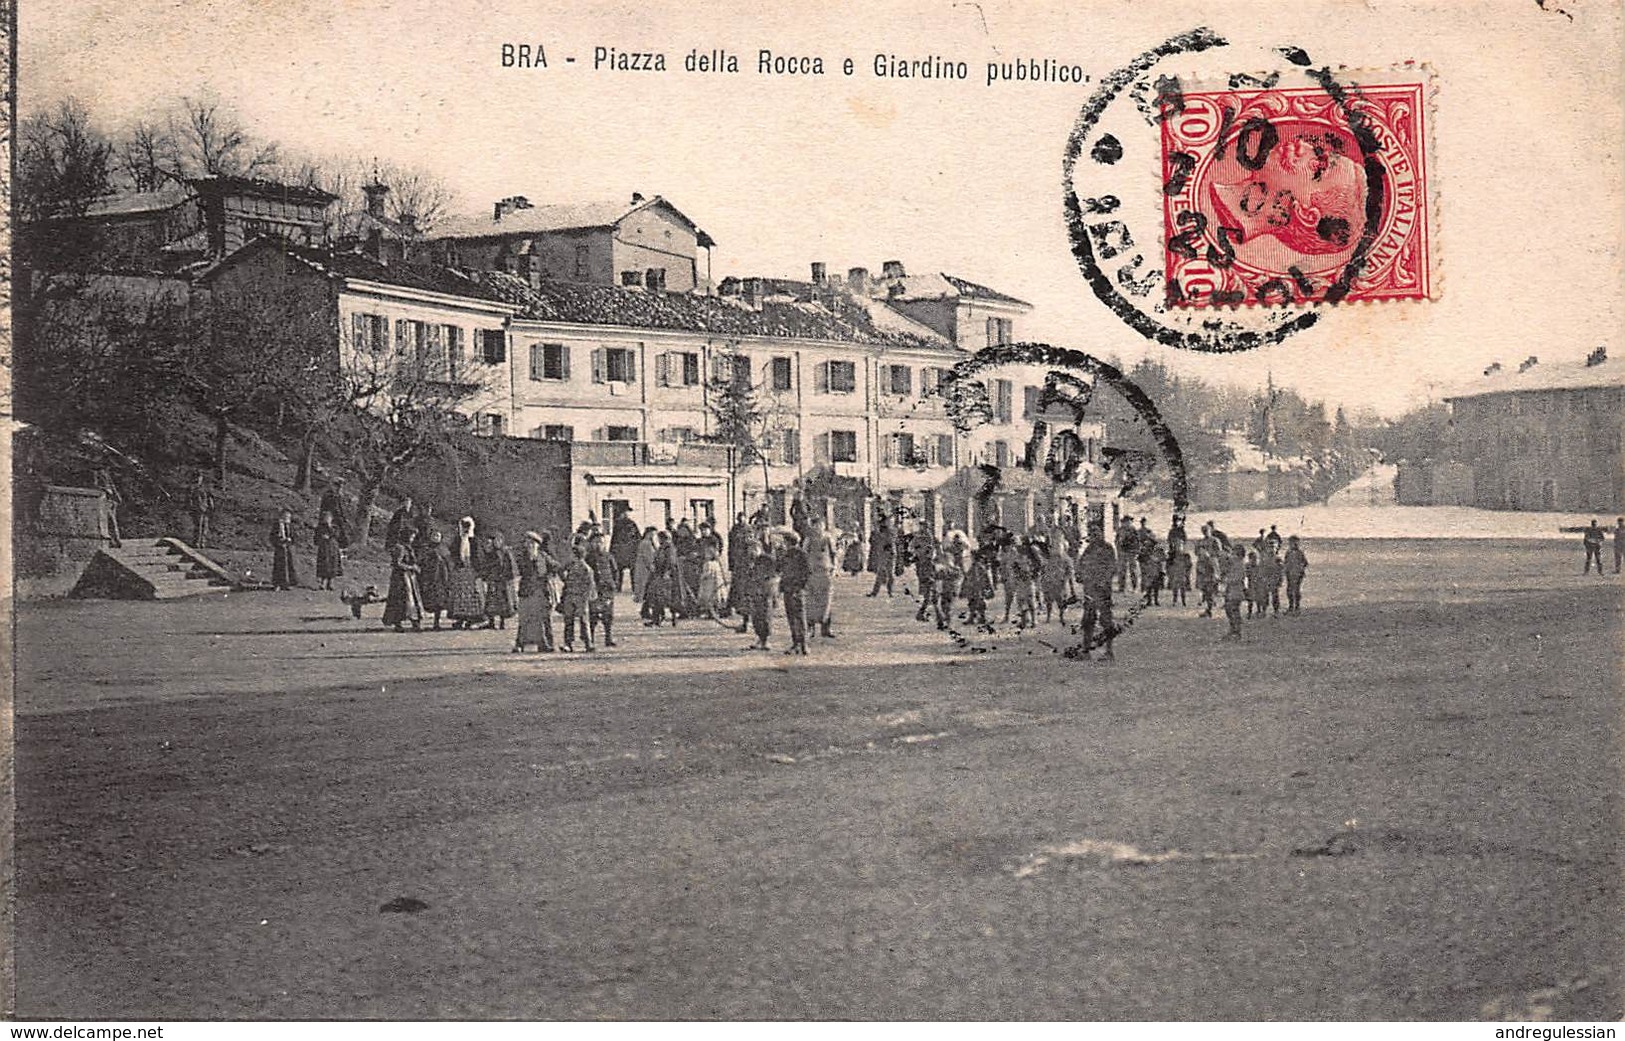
[
  {"x": 681, "y": 435},
  {"x": 620, "y": 433},
  {"x": 631, "y": 278},
  {"x": 945, "y": 450},
  {"x": 614, "y": 365},
  {"x": 790, "y": 446},
  {"x": 493, "y": 346},
  {"x": 899, "y": 450},
  {"x": 1001, "y": 453},
  {"x": 369, "y": 333},
  {"x": 900, "y": 380},
  {"x": 581, "y": 261},
  {"x": 455, "y": 362},
  {"x": 556, "y": 432},
  {"x": 654, "y": 279},
  {"x": 999, "y": 331},
  {"x": 930, "y": 382},
  {"x": 843, "y": 446},
  {"x": 781, "y": 373},
  {"x": 1003, "y": 392},
  {"x": 491, "y": 424},
  {"x": 1029, "y": 402},
  {"x": 838, "y": 377},
  {"x": 677, "y": 369},
  {"x": 549, "y": 361}
]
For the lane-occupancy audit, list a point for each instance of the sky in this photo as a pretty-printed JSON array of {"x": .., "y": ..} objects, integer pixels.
[{"x": 1526, "y": 174}]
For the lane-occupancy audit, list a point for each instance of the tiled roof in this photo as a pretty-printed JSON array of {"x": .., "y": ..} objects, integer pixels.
[
  {"x": 263, "y": 188},
  {"x": 981, "y": 292},
  {"x": 556, "y": 217},
  {"x": 591, "y": 304},
  {"x": 360, "y": 267},
  {"x": 1544, "y": 376}
]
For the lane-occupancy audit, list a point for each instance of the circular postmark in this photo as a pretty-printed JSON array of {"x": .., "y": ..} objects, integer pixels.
[
  {"x": 1079, "y": 391},
  {"x": 1272, "y": 193}
]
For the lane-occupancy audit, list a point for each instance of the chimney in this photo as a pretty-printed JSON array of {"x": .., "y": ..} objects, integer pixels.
[
  {"x": 509, "y": 205},
  {"x": 1528, "y": 363},
  {"x": 818, "y": 270},
  {"x": 1597, "y": 357},
  {"x": 752, "y": 293},
  {"x": 891, "y": 269},
  {"x": 375, "y": 194},
  {"x": 637, "y": 198},
  {"x": 1493, "y": 369},
  {"x": 858, "y": 279}
]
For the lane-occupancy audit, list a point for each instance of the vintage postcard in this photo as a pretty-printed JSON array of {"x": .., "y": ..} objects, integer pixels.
[{"x": 911, "y": 510}]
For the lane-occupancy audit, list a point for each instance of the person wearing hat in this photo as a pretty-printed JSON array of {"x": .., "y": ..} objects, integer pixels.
[
  {"x": 536, "y": 568},
  {"x": 405, "y": 604},
  {"x": 793, "y": 575},
  {"x": 1294, "y": 567}
]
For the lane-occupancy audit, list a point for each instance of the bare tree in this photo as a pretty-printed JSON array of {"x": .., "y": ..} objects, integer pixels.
[
  {"x": 147, "y": 155},
  {"x": 64, "y": 163},
  {"x": 211, "y": 140},
  {"x": 416, "y": 193},
  {"x": 406, "y": 407}
]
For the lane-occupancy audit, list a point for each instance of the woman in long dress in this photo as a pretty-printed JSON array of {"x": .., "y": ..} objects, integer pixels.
[
  {"x": 710, "y": 598},
  {"x": 465, "y": 604},
  {"x": 501, "y": 584},
  {"x": 434, "y": 576},
  {"x": 329, "y": 556},
  {"x": 820, "y": 579},
  {"x": 284, "y": 572},
  {"x": 405, "y": 603},
  {"x": 536, "y": 568},
  {"x": 643, "y": 563}
]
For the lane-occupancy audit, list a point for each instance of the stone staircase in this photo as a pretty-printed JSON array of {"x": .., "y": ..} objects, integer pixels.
[{"x": 151, "y": 569}]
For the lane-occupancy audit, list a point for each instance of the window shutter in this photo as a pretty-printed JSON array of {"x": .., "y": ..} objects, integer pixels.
[
  {"x": 631, "y": 366},
  {"x": 821, "y": 449},
  {"x": 400, "y": 335},
  {"x": 358, "y": 331},
  {"x": 598, "y": 434},
  {"x": 945, "y": 449},
  {"x": 928, "y": 382},
  {"x": 538, "y": 361},
  {"x": 821, "y": 380},
  {"x": 888, "y": 450},
  {"x": 598, "y": 365},
  {"x": 1029, "y": 401},
  {"x": 663, "y": 369},
  {"x": 792, "y": 446},
  {"x": 565, "y": 350}
]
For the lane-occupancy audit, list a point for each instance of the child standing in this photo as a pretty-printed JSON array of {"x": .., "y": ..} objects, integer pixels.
[
  {"x": 1179, "y": 574},
  {"x": 1207, "y": 581},
  {"x": 580, "y": 590}
]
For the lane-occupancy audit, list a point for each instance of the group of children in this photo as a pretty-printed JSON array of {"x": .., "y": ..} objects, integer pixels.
[{"x": 1051, "y": 570}]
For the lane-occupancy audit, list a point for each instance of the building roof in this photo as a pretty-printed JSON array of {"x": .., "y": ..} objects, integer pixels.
[
  {"x": 592, "y": 304},
  {"x": 965, "y": 287},
  {"x": 257, "y": 186},
  {"x": 1546, "y": 376},
  {"x": 127, "y": 204},
  {"x": 353, "y": 266},
  {"x": 534, "y": 220}
]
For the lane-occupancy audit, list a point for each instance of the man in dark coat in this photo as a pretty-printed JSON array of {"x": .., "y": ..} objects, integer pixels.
[
  {"x": 883, "y": 556},
  {"x": 794, "y": 572},
  {"x": 332, "y": 504},
  {"x": 623, "y": 545},
  {"x": 1593, "y": 546},
  {"x": 400, "y": 522},
  {"x": 1096, "y": 568}
]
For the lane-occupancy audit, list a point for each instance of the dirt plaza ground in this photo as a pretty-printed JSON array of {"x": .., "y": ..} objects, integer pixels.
[{"x": 1405, "y": 803}]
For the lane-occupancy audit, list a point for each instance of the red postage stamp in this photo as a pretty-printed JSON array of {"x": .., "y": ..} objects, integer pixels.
[{"x": 1296, "y": 196}]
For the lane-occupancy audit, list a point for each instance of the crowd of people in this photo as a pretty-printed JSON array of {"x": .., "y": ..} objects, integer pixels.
[
  {"x": 759, "y": 572},
  {"x": 1056, "y": 566}
]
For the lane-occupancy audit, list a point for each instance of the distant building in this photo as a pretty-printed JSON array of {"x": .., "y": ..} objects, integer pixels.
[
  {"x": 1546, "y": 437},
  {"x": 640, "y": 242},
  {"x": 370, "y": 230},
  {"x": 179, "y": 225}
]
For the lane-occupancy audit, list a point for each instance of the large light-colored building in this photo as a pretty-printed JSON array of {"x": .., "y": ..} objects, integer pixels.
[{"x": 1544, "y": 437}]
